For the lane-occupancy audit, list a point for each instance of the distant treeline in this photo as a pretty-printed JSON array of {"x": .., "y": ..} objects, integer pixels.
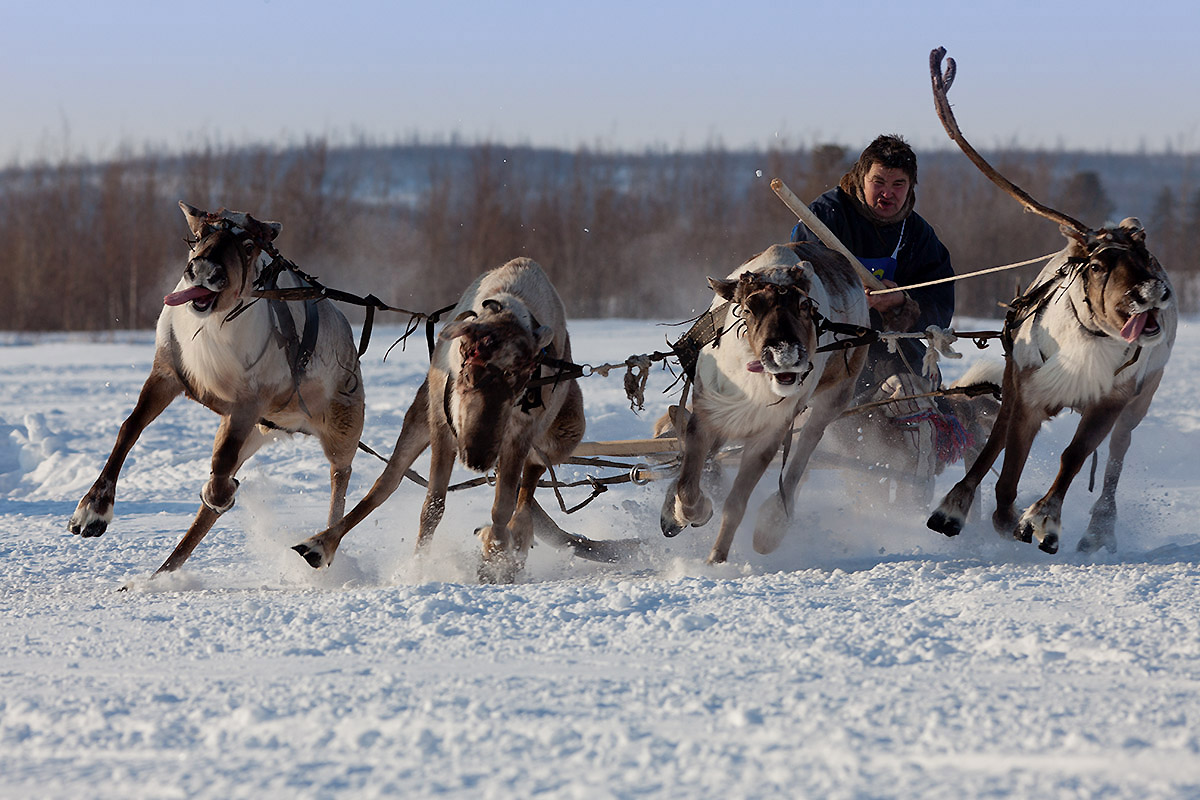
[{"x": 94, "y": 246}]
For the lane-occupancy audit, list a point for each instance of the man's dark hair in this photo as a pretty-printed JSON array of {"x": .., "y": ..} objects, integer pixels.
[{"x": 892, "y": 152}]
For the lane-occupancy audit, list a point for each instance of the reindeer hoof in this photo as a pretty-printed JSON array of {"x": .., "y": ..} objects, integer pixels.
[
  {"x": 91, "y": 530},
  {"x": 498, "y": 570},
  {"x": 771, "y": 525},
  {"x": 1023, "y": 532},
  {"x": 1049, "y": 544},
  {"x": 715, "y": 558},
  {"x": 1006, "y": 523},
  {"x": 1090, "y": 544},
  {"x": 87, "y": 521},
  {"x": 944, "y": 523},
  {"x": 312, "y": 555}
]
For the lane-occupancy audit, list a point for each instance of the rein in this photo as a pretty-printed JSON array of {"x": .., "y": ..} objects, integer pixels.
[
  {"x": 318, "y": 291},
  {"x": 974, "y": 274}
]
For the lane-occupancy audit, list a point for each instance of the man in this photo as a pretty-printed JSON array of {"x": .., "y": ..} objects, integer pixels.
[{"x": 871, "y": 212}]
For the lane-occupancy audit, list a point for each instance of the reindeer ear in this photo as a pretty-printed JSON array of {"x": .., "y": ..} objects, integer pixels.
[
  {"x": 272, "y": 229},
  {"x": 1070, "y": 233},
  {"x": 543, "y": 335},
  {"x": 1077, "y": 240},
  {"x": 723, "y": 288},
  {"x": 455, "y": 329},
  {"x": 1134, "y": 226},
  {"x": 195, "y": 217}
]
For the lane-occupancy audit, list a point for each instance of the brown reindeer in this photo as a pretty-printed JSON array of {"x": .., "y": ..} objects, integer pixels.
[
  {"x": 1093, "y": 334},
  {"x": 261, "y": 366},
  {"x": 751, "y": 384},
  {"x": 481, "y": 402}
]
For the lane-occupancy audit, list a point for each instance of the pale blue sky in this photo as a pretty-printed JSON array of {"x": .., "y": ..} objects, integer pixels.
[{"x": 89, "y": 77}]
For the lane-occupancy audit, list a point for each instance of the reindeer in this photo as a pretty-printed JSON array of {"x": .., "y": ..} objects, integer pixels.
[
  {"x": 751, "y": 386},
  {"x": 1093, "y": 334},
  {"x": 483, "y": 401},
  {"x": 262, "y": 366}
]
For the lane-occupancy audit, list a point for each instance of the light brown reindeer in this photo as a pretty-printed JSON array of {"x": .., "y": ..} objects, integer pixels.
[
  {"x": 479, "y": 401},
  {"x": 752, "y": 382},
  {"x": 261, "y": 366},
  {"x": 1093, "y": 334}
]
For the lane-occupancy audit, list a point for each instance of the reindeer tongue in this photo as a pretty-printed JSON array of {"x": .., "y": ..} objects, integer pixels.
[
  {"x": 1133, "y": 327},
  {"x": 187, "y": 295}
]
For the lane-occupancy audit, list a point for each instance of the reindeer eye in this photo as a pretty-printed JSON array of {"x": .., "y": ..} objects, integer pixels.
[{"x": 754, "y": 304}]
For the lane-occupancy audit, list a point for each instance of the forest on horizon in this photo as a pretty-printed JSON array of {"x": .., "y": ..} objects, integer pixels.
[{"x": 95, "y": 246}]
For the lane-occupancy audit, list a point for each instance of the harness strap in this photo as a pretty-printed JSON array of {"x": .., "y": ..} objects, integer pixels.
[
  {"x": 446, "y": 406},
  {"x": 430, "y": 321},
  {"x": 300, "y": 348},
  {"x": 707, "y": 329},
  {"x": 1031, "y": 302},
  {"x": 859, "y": 334},
  {"x": 563, "y": 371}
]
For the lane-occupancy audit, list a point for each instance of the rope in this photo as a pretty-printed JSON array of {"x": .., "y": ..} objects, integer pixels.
[
  {"x": 970, "y": 391},
  {"x": 940, "y": 344},
  {"x": 950, "y": 437},
  {"x": 637, "y": 373},
  {"x": 974, "y": 274}
]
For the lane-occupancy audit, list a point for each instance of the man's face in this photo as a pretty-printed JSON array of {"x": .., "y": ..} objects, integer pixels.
[{"x": 885, "y": 190}]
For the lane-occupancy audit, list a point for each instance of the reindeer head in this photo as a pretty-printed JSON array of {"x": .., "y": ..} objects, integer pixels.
[
  {"x": 499, "y": 349},
  {"x": 223, "y": 260},
  {"x": 777, "y": 313},
  {"x": 1120, "y": 281}
]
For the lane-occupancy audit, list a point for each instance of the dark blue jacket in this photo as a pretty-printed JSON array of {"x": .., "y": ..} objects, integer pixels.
[{"x": 922, "y": 256}]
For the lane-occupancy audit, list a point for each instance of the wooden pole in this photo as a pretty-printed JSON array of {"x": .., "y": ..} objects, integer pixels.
[{"x": 805, "y": 214}]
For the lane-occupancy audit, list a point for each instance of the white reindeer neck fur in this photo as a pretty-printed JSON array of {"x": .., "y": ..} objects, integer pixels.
[{"x": 218, "y": 354}]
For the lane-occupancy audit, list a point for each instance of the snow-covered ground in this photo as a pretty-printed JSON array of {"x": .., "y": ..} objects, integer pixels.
[{"x": 868, "y": 657}]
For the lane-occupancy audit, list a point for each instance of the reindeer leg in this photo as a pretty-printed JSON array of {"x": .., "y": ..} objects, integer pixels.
[
  {"x": 339, "y": 439},
  {"x": 201, "y": 525},
  {"x": 686, "y": 503},
  {"x": 521, "y": 526},
  {"x": 237, "y": 439},
  {"x": 441, "y": 465},
  {"x": 319, "y": 549},
  {"x": 95, "y": 510},
  {"x": 501, "y": 560},
  {"x": 1043, "y": 519},
  {"x": 951, "y": 514},
  {"x": 776, "y": 510},
  {"x": 1101, "y": 530},
  {"x": 1022, "y": 428},
  {"x": 756, "y": 457}
]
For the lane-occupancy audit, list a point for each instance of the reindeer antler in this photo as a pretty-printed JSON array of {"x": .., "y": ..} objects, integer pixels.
[{"x": 941, "y": 85}]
